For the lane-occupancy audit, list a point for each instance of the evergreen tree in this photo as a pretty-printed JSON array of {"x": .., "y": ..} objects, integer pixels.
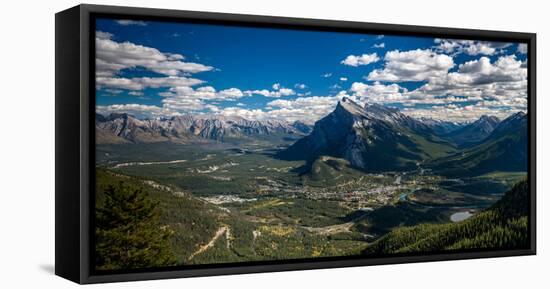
[{"x": 128, "y": 232}]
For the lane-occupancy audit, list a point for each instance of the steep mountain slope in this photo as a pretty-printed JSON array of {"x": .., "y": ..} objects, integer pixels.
[
  {"x": 503, "y": 226},
  {"x": 123, "y": 128},
  {"x": 373, "y": 138},
  {"x": 505, "y": 149},
  {"x": 474, "y": 132}
]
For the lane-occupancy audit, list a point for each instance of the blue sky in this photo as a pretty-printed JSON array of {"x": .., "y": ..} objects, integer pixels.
[{"x": 294, "y": 74}]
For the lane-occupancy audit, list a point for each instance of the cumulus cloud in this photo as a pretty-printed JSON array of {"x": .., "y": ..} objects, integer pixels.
[
  {"x": 138, "y": 110},
  {"x": 140, "y": 83},
  {"x": 379, "y": 45},
  {"x": 522, "y": 48},
  {"x": 185, "y": 99},
  {"x": 300, "y": 86},
  {"x": 307, "y": 109},
  {"x": 277, "y": 91},
  {"x": 478, "y": 87},
  {"x": 112, "y": 57},
  {"x": 413, "y": 65},
  {"x": 343, "y": 79},
  {"x": 126, "y": 22},
  {"x": 378, "y": 92},
  {"x": 203, "y": 93},
  {"x": 504, "y": 79},
  {"x": 103, "y": 35},
  {"x": 357, "y": 60},
  {"x": 469, "y": 47},
  {"x": 255, "y": 114},
  {"x": 326, "y": 75},
  {"x": 457, "y": 113}
]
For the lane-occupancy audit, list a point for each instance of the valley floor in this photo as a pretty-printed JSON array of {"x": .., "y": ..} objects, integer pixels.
[{"x": 239, "y": 203}]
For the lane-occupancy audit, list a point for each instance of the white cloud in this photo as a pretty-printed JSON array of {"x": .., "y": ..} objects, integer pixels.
[
  {"x": 103, "y": 35},
  {"x": 138, "y": 110},
  {"x": 380, "y": 36},
  {"x": 451, "y": 112},
  {"x": 335, "y": 86},
  {"x": 498, "y": 88},
  {"x": 114, "y": 91},
  {"x": 378, "y": 92},
  {"x": 300, "y": 86},
  {"x": 379, "y": 45},
  {"x": 140, "y": 83},
  {"x": 522, "y": 48},
  {"x": 182, "y": 104},
  {"x": 326, "y": 75},
  {"x": 231, "y": 93},
  {"x": 494, "y": 88},
  {"x": 203, "y": 93},
  {"x": 504, "y": 79},
  {"x": 365, "y": 59},
  {"x": 413, "y": 65},
  {"x": 306, "y": 109},
  {"x": 255, "y": 114},
  {"x": 469, "y": 47},
  {"x": 126, "y": 22},
  {"x": 343, "y": 79},
  {"x": 277, "y": 91},
  {"x": 185, "y": 99},
  {"x": 112, "y": 56}
]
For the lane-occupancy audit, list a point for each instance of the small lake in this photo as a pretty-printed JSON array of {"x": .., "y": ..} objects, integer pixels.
[{"x": 460, "y": 216}]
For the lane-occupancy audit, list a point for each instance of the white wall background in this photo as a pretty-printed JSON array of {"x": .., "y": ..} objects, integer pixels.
[{"x": 27, "y": 144}]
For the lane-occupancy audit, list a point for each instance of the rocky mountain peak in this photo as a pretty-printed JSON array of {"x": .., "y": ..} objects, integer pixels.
[
  {"x": 488, "y": 119},
  {"x": 348, "y": 106}
]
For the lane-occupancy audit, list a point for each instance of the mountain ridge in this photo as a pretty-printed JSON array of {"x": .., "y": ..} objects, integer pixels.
[
  {"x": 124, "y": 128},
  {"x": 505, "y": 149},
  {"x": 474, "y": 132}
]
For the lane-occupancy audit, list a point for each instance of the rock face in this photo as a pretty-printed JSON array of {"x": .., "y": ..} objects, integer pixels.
[
  {"x": 371, "y": 138},
  {"x": 121, "y": 128},
  {"x": 474, "y": 132}
]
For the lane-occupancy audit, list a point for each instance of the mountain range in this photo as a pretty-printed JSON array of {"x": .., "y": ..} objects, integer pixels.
[
  {"x": 474, "y": 132},
  {"x": 375, "y": 138},
  {"x": 125, "y": 128},
  {"x": 371, "y": 138},
  {"x": 504, "y": 149}
]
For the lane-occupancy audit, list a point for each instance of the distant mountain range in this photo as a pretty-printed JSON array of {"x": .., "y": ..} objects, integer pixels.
[
  {"x": 371, "y": 138},
  {"x": 125, "y": 128},
  {"x": 441, "y": 127},
  {"x": 504, "y": 149},
  {"x": 474, "y": 132}
]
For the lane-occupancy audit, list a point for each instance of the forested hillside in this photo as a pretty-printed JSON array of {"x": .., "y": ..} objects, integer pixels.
[{"x": 504, "y": 226}]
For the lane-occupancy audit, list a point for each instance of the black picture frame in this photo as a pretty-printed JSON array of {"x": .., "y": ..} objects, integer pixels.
[{"x": 74, "y": 150}]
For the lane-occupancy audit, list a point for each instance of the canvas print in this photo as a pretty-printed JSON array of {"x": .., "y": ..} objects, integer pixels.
[{"x": 220, "y": 144}]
